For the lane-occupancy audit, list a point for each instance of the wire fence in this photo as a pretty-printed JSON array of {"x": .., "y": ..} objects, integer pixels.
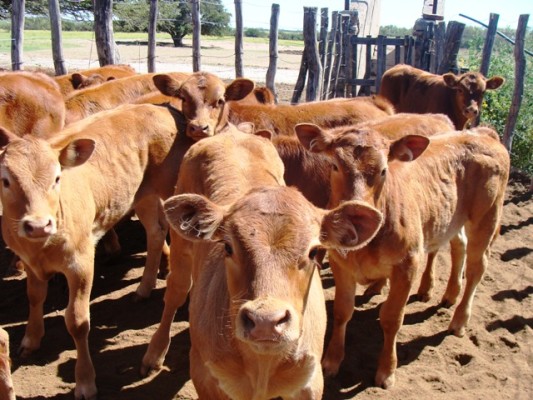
[{"x": 217, "y": 55}]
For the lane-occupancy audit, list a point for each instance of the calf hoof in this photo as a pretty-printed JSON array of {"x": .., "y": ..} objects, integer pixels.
[
  {"x": 86, "y": 392},
  {"x": 423, "y": 297},
  {"x": 375, "y": 288},
  {"x": 330, "y": 368},
  {"x": 147, "y": 370},
  {"x": 385, "y": 380},
  {"x": 137, "y": 298}
]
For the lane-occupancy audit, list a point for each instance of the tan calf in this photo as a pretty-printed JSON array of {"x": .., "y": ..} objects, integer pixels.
[
  {"x": 82, "y": 103},
  {"x": 427, "y": 190},
  {"x": 282, "y": 118},
  {"x": 460, "y": 97},
  {"x": 30, "y": 103},
  {"x": 6, "y": 383},
  {"x": 203, "y": 99},
  {"x": 60, "y": 196},
  {"x": 257, "y": 311},
  {"x": 93, "y": 76}
]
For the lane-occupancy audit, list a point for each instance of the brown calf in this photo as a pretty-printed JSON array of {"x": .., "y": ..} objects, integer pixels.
[
  {"x": 6, "y": 383},
  {"x": 60, "y": 196},
  {"x": 427, "y": 190},
  {"x": 282, "y": 118},
  {"x": 203, "y": 100},
  {"x": 30, "y": 103},
  {"x": 413, "y": 90},
  {"x": 109, "y": 95},
  {"x": 93, "y": 76},
  {"x": 257, "y": 311}
]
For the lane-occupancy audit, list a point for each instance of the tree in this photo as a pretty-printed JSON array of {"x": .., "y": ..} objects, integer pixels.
[{"x": 174, "y": 17}]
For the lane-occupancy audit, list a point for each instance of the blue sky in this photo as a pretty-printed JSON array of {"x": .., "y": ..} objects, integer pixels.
[{"x": 256, "y": 13}]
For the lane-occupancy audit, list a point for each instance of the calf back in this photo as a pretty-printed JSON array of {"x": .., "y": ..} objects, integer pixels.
[
  {"x": 282, "y": 118},
  {"x": 30, "y": 103},
  {"x": 109, "y": 95}
]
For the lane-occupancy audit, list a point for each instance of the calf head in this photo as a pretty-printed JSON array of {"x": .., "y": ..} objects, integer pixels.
[
  {"x": 359, "y": 159},
  {"x": 80, "y": 81},
  {"x": 268, "y": 241},
  {"x": 470, "y": 89},
  {"x": 30, "y": 170},
  {"x": 204, "y": 98}
]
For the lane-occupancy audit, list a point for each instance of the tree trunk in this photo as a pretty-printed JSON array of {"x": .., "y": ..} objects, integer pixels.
[
  {"x": 103, "y": 31},
  {"x": 178, "y": 41}
]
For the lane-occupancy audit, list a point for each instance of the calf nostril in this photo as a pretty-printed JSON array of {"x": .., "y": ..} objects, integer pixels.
[
  {"x": 284, "y": 319},
  {"x": 247, "y": 321},
  {"x": 28, "y": 228}
]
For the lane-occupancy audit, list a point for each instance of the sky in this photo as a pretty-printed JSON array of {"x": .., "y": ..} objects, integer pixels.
[{"x": 256, "y": 13}]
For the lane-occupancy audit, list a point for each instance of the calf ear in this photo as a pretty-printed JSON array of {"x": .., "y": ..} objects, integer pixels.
[
  {"x": 6, "y": 136},
  {"x": 167, "y": 84},
  {"x": 193, "y": 216},
  {"x": 350, "y": 226},
  {"x": 312, "y": 137},
  {"x": 246, "y": 127},
  {"x": 408, "y": 148},
  {"x": 265, "y": 133},
  {"x": 239, "y": 89},
  {"x": 76, "y": 152},
  {"x": 450, "y": 80},
  {"x": 76, "y": 79},
  {"x": 495, "y": 82}
]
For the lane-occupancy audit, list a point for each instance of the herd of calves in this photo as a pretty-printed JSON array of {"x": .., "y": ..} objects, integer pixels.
[{"x": 255, "y": 193}]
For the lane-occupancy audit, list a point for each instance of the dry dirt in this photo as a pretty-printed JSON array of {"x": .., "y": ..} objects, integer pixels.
[{"x": 492, "y": 361}]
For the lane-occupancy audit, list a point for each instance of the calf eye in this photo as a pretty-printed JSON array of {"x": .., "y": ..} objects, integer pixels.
[
  {"x": 5, "y": 182},
  {"x": 220, "y": 102},
  {"x": 228, "y": 249},
  {"x": 58, "y": 178},
  {"x": 383, "y": 172},
  {"x": 312, "y": 253}
]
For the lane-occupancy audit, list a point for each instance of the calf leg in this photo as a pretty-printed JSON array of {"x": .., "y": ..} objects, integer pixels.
[
  {"x": 36, "y": 290},
  {"x": 6, "y": 383},
  {"x": 479, "y": 238},
  {"x": 343, "y": 308},
  {"x": 77, "y": 320},
  {"x": 391, "y": 319},
  {"x": 179, "y": 282},
  {"x": 150, "y": 213},
  {"x": 458, "y": 252},
  {"x": 427, "y": 282}
]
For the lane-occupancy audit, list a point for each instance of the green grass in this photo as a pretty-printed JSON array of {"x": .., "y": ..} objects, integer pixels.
[{"x": 41, "y": 40}]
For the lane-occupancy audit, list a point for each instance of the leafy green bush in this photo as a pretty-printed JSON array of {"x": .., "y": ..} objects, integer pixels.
[{"x": 498, "y": 102}]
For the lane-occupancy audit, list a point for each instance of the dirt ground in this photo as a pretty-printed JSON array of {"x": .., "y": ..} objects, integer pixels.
[{"x": 494, "y": 360}]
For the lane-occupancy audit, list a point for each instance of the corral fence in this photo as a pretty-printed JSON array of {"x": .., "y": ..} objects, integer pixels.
[{"x": 338, "y": 63}]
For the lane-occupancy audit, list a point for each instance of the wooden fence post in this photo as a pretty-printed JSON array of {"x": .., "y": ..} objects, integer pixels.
[
  {"x": 314, "y": 84},
  {"x": 337, "y": 57},
  {"x": 343, "y": 60},
  {"x": 196, "y": 57},
  {"x": 489, "y": 43},
  {"x": 17, "y": 34},
  {"x": 454, "y": 33},
  {"x": 329, "y": 56},
  {"x": 55, "y": 25},
  {"x": 152, "y": 30},
  {"x": 520, "y": 71},
  {"x": 322, "y": 43},
  {"x": 239, "y": 33},
  {"x": 438, "y": 47},
  {"x": 273, "y": 51},
  {"x": 103, "y": 31}
]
